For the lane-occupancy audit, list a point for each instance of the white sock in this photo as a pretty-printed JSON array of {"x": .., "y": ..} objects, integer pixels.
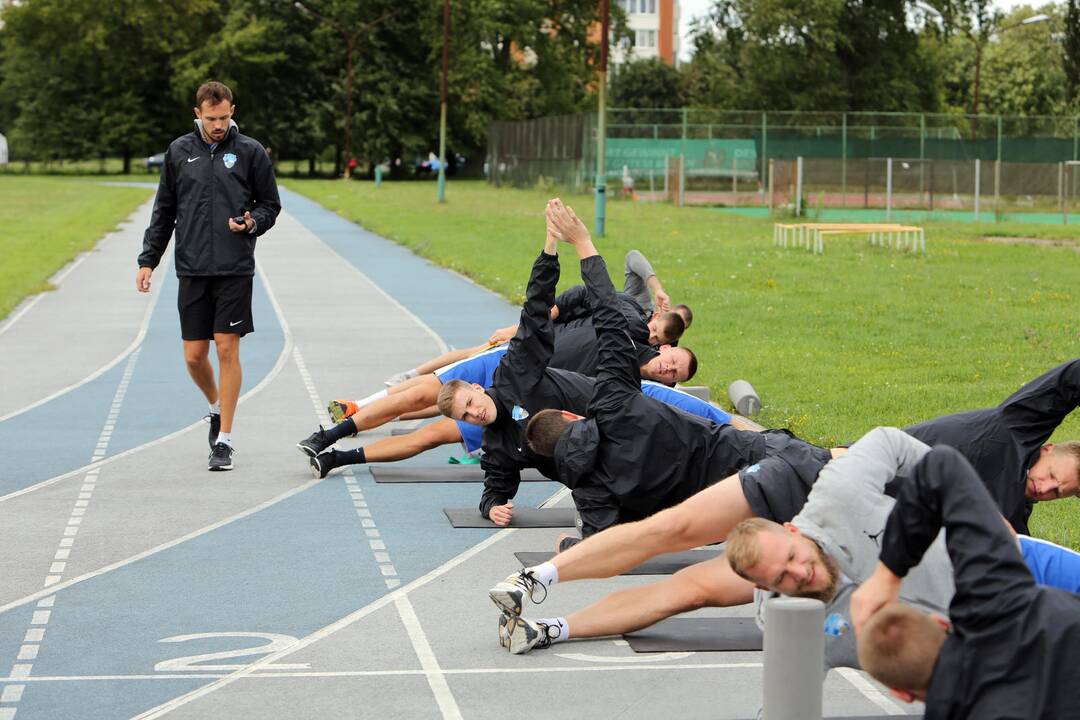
[
  {"x": 215, "y": 408},
  {"x": 563, "y": 632},
  {"x": 546, "y": 573},
  {"x": 225, "y": 438},
  {"x": 371, "y": 398}
]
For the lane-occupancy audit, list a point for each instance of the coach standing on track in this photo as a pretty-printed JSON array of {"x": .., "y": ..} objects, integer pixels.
[{"x": 211, "y": 178}]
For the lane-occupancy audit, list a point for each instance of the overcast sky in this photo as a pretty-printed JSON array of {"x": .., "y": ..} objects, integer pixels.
[{"x": 690, "y": 9}]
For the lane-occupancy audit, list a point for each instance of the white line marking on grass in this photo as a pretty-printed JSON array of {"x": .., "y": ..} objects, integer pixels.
[
  {"x": 436, "y": 680},
  {"x": 96, "y": 465},
  {"x": 870, "y": 692}
]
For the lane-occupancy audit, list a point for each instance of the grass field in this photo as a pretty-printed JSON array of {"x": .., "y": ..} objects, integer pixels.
[
  {"x": 46, "y": 221},
  {"x": 834, "y": 344}
]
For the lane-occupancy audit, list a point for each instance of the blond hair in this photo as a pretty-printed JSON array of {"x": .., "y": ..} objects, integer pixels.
[
  {"x": 445, "y": 401},
  {"x": 742, "y": 548},
  {"x": 899, "y": 646}
]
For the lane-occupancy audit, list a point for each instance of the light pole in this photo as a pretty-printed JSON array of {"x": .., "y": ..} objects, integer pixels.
[
  {"x": 350, "y": 43},
  {"x": 601, "y": 124},
  {"x": 441, "y": 193}
]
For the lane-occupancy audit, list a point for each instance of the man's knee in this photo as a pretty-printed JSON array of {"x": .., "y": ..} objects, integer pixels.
[
  {"x": 228, "y": 347},
  {"x": 196, "y": 353}
]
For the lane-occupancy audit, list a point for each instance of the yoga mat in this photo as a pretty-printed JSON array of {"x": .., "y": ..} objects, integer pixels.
[
  {"x": 523, "y": 518},
  {"x": 697, "y": 635}
]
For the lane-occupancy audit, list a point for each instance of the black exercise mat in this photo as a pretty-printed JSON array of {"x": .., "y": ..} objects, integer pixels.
[
  {"x": 697, "y": 635},
  {"x": 446, "y": 474},
  {"x": 523, "y": 518},
  {"x": 665, "y": 564}
]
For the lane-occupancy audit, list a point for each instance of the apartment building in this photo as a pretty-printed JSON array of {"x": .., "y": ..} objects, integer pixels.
[{"x": 654, "y": 29}]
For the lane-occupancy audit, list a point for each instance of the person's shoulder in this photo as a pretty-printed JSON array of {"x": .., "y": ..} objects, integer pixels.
[
  {"x": 183, "y": 143},
  {"x": 248, "y": 142}
]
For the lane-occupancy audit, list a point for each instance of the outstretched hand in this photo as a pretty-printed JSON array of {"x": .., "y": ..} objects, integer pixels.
[
  {"x": 663, "y": 302},
  {"x": 564, "y": 224},
  {"x": 882, "y": 588}
]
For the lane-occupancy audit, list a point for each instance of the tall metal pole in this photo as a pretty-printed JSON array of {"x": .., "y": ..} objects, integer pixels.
[
  {"x": 601, "y": 124},
  {"x": 442, "y": 105}
]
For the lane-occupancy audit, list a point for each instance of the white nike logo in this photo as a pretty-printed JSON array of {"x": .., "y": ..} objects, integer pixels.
[
  {"x": 194, "y": 158},
  {"x": 234, "y": 324}
]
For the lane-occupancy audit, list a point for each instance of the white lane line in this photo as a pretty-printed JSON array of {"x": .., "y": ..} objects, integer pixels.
[
  {"x": 390, "y": 673},
  {"x": 155, "y": 550},
  {"x": 96, "y": 465},
  {"x": 871, "y": 693},
  {"x": 343, "y": 262},
  {"x": 12, "y": 694},
  {"x": 436, "y": 680},
  {"x": 144, "y": 326},
  {"x": 448, "y": 706},
  {"x": 324, "y": 632},
  {"x": 55, "y": 280}
]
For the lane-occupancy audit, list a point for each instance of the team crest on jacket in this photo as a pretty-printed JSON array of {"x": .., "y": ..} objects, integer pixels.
[
  {"x": 229, "y": 159},
  {"x": 519, "y": 413}
]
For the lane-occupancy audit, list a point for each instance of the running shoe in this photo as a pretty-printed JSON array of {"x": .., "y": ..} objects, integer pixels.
[
  {"x": 215, "y": 427},
  {"x": 524, "y": 635},
  {"x": 220, "y": 457},
  {"x": 341, "y": 409},
  {"x": 314, "y": 443},
  {"x": 510, "y": 594},
  {"x": 323, "y": 463},
  {"x": 397, "y": 379}
]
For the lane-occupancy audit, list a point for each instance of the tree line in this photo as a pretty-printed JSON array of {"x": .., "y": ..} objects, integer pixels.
[
  {"x": 83, "y": 80},
  {"x": 871, "y": 55}
]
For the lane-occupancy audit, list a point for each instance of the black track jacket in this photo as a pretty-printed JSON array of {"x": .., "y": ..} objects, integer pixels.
[
  {"x": 1014, "y": 647},
  {"x": 634, "y": 455},
  {"x": 523, "y": 380},
  {"x": 199, "y": 191},
  {"x": 1003, "y": 442},
  {"x": 575, "y": 337}
]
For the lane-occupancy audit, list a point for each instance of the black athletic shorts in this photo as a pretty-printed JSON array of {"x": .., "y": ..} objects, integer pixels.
[
  {"x": 777, "y": 486},
  {"x": 217, "y": 304}
]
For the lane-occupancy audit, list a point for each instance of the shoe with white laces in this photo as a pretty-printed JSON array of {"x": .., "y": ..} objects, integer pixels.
[
  {"x": 524, "y": 635},
  {"x": 315, "y": 443},
  {"x": 506, "y": 626},
  {"x": 510, "y": 594},
  {"x": 220, "y": 457}
]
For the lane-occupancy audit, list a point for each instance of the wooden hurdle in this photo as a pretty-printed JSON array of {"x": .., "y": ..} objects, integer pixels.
[{"x": 811, "y": 235}]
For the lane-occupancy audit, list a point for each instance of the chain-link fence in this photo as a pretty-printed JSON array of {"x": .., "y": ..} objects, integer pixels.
[{"x": 978, "y": 166}]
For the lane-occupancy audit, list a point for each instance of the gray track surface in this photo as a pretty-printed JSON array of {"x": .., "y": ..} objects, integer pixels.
[{"x": 123, "y": 562}]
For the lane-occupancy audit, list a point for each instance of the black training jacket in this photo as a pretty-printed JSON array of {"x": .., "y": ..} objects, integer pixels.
[
  {"x": 199, "y": 191},
  {"x": 1003, "y": 442},
  {"x": 1014, "y": 647},
  {"x": 524, "y": 381},
  {"x": 634, "y": 455},
  {"x": 576, "y": 347}
]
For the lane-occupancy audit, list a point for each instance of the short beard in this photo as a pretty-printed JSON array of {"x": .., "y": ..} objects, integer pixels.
[{"x": 827, "y": 593}]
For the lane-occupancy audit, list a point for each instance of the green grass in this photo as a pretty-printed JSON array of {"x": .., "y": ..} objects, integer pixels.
[
  {"x": 834, "y": 344},
  {"x": 45, "y": 222}
]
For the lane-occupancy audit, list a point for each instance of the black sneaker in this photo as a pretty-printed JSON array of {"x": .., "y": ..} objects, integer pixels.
[
  {"x": 323, "y": 463},
  {"x": 220, "y": 457},
  {"x": 315, "y": 443},
  {"x": 215, "y": 427}
]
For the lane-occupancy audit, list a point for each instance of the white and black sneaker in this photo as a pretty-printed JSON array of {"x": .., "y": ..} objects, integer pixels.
[
  {"x": 523, "y": 635},
  {"x": 510, "y": 594},
  {"x": 215, "y": 427},
  {"x": 323, "y": 463},
  {"x": 220, "y": 457},
  {"x": 315, "y": 443}
]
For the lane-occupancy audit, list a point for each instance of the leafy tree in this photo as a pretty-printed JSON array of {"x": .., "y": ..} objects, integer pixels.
[
  {"x": 1071, "y": 59},
  {"x": 648, "y": 83}
]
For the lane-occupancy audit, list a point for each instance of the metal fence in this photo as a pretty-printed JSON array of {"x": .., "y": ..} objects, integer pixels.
[{"x": 992, "y": 165}]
